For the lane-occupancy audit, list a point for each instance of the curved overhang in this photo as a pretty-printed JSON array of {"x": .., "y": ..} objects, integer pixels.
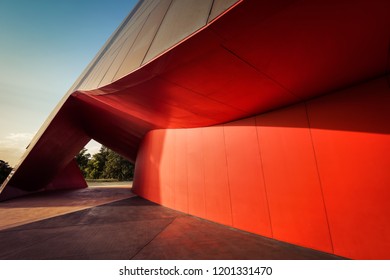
[{"x": 256, "y": 57}]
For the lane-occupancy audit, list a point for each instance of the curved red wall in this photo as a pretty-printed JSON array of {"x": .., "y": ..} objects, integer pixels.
[{"x": 313, "y": 174}]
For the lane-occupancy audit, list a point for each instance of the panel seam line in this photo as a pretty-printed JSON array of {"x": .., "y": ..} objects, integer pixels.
[
  {"x": 155, "y": 35},
  {"x": 227, "y": 174},
  {"x": 319, "y": 177},
  {"x": 265, "y": 185}
]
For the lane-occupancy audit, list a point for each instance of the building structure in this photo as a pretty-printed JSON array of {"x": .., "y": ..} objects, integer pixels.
[{"x": 268, "y": 116}]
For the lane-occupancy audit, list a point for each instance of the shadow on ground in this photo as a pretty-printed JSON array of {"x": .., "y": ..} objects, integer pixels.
[{"x": 134, "y": 228}]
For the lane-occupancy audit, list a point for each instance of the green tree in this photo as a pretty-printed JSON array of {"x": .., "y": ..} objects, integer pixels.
[
  {"x": 96, "y": 164},
  {"x": 106, "y": 164},
  {"x": 5, "y": 170},
  {"x": 117, "y": 167},
  {"x": 82, "y": 160}
]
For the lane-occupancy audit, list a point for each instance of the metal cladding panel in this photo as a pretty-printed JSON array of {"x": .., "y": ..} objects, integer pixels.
[
  {"x": 126, "y": 40},
  {"x": 247, "y": 189},
  {"x": 91, "y": 81},
  {"x": 294, "y": 191},
  {"x": 146, "y": 170},
  {"x": 140, "y": 185},
  {"x": 137, "y": 52},
  {"x": 105, "y": 64},
  {"x": 104, "y": 59},
  {"x": 155, "y": 168},
  {"x": 237, "y": 84},
  {"x": 196, "y": 173},
  {"x": 219, "y": 6},
  {"x": 183, "y": 18},
  {"x": 351, "y": 136},
  {"x": 54, "y": 151},
  {"x": 325, "y": 174},
  {"x": 167, "y": 104},
  {"x": 312, "y": 46},
  {"x": 69, "y": 178},
  {"x": 128, "y": 48},
  {"x": 180, "y": 171},
  {"x": 122, "y": 48},
  {"x": 154, "y": 154},
  {"x": 217, "y": 190},
  {"x": 145, "y": 8},
  {"x": 97, "y": 72},
  {"x": 126, "y": 130},
  {"x": 167, "y": 140}
]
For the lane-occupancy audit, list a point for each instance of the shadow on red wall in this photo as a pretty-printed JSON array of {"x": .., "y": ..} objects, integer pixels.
[{"x": 313, "y": 174}]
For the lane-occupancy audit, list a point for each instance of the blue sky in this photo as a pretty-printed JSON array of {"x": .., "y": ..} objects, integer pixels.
[{"x": 44, "y": 47}]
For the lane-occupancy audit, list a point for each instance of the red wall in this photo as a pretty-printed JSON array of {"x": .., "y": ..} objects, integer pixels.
[{"x": 315, "y": 174}]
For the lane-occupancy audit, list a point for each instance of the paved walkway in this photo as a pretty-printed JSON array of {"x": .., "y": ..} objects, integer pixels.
[
  {"x": 51, "y": 204},
  {"x": 85, "y": 224}
]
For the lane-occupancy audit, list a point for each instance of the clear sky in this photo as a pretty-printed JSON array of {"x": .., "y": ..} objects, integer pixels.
[{"x": 44, "y": 47}]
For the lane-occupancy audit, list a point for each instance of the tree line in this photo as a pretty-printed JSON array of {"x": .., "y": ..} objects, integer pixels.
[{"x": 106, "y": 164}]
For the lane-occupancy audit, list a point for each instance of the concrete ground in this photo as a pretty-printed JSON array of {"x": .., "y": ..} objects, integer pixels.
[
  {"x": 112, "y": 223},
  {"x": 51, "y": 204}
]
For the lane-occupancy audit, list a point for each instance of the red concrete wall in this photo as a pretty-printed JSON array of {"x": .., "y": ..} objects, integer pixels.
[{"x": 314, "y": 174}]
